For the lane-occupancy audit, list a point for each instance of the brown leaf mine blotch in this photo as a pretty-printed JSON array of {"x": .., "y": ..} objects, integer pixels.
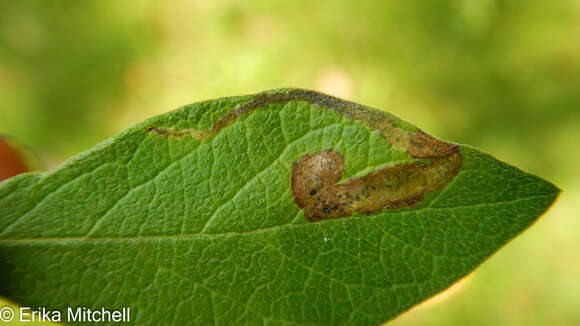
[
  {"x": 317, "y": 191},
  {"x": 315, "y": 177}
]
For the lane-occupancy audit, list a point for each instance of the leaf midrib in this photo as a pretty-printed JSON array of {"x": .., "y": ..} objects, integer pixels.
[{"x": 227, "y": 234}]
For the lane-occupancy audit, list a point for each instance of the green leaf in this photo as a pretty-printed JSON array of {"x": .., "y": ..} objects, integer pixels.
[{"x": 204, "y": 216}]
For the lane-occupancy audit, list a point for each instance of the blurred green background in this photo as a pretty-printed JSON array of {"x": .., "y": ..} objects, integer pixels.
[{"x": 503, "y": 76}]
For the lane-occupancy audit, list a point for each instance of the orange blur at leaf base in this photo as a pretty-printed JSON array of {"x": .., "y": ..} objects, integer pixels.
[{"x": 10, "y": 161}]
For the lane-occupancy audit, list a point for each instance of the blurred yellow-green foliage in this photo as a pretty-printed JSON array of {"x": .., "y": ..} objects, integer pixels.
[{"x": 501, "y": 75}]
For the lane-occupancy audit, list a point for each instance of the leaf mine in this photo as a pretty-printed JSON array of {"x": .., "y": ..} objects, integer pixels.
[
  {"x": 417, "y": 143},
  {"x": 314, "y": 177}
]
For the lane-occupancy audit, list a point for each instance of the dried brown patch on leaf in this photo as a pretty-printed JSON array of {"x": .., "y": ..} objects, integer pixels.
[
  {"x": 197, "y": 134},
  {"x": 423, "y": 145},
  {"x": 317, "y": 191}
]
